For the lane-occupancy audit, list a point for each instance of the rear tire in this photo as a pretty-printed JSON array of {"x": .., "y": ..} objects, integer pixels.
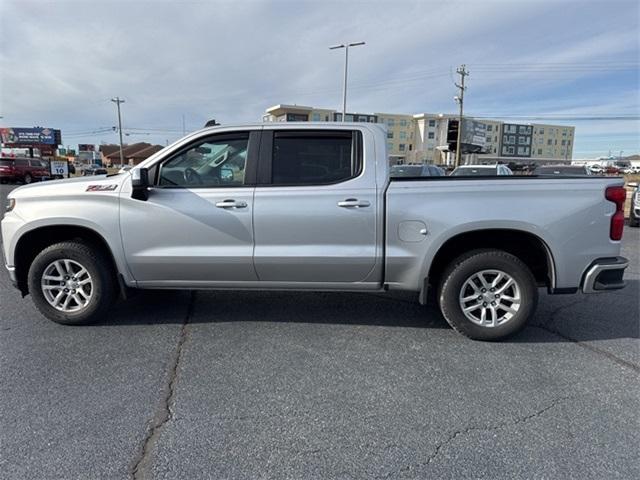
[
  {"x": 468, "y": 291},
  {"x": 633, "y": 220},
  {"x": 72, "y": 283},
  {"x": 28, "y": 179}
]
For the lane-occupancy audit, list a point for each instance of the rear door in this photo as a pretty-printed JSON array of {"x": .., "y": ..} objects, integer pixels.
[
  {"x": 21, "y": 167},
  {"x": 316, "y": 208}
]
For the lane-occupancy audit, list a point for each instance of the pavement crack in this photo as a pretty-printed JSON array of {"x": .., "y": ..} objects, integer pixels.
[
  {"x": 482, "y": 428},
  {"x": 549, "y": 326},
  {"x": 554, "y": 314},
  {"x": 620, "y": 361},
  {"x": 165, "y": 411}
]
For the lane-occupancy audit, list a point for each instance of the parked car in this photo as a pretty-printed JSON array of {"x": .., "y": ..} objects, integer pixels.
[
  {"x": 596, "y": 169},
  {"x": 94, "y": 170},
  {"x": 311, "y": 206},
  {"x": 23, "y": 169},
  {"x": 631, "y": 170},
  {"x": 481, "y": 170},
  {"x": 416, "y": 171},
  {"x": 579, "y": 170},
  {"x": 612, "y": 170},
  {"x": 634, "y": 211}
]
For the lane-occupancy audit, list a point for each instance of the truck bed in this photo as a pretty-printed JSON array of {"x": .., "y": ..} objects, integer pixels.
[{"x": 569, "y": 214}]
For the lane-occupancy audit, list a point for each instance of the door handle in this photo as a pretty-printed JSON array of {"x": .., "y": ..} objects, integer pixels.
[
  {"x": 353, "y": 203},
  {"x": 230, "y": 203}
]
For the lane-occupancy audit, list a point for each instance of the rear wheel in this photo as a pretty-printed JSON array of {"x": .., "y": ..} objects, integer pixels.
[
  {"x": 488, "y": 294},
  {"x": 28, "y": 178},
  {"x": 72, "y": 283},
  {"x": 634, "y": 221}
]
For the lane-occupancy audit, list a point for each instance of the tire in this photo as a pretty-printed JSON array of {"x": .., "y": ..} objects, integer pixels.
[
  {"x": 98, "y": 293},
  {"x": 28, "y": 178},
  {"x": 462, "y": 286},
  {"x": 633, "y": 220}
]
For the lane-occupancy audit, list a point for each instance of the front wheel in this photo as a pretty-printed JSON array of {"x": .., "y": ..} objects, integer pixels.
[
  {"x": 28, "y": 178},
  {"x": 488, "y": 294},
  {"x": 72, "y": 283}
]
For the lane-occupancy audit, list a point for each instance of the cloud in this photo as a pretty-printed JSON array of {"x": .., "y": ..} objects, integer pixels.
[{"x": 61, "y": 62}]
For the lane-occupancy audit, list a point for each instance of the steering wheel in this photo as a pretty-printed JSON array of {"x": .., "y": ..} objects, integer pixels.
[{"x": 191, "y": 177}]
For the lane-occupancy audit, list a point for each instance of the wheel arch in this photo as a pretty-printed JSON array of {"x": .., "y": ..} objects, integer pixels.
[
  {"x": 34, "y": 241},
  {"x": 527, "y": 246}
]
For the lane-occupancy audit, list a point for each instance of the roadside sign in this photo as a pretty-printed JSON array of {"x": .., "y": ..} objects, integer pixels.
[{"x": 60, "y": 167}]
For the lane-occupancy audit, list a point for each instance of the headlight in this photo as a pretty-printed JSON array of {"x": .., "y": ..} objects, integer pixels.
[{"x": 11, "y": 203}]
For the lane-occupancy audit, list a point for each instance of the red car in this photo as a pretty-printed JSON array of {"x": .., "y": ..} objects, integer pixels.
[{"x": 24, "y": 170}]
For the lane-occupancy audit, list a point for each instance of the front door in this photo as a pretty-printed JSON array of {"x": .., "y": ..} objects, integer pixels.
[{"x": 196, "y": 226}]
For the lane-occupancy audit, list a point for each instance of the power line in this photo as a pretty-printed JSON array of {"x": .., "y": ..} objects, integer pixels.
[{"x": 572, "y": 118}]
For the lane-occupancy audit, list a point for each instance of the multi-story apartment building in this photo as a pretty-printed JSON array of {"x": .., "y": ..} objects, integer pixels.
[
  {"x": 422, "y": 138},
  {"x": 493, "y": 136},
  {"x": 552, "y": 141},
  {"x": 516, "y": 140},
  {"x": 400, "y": 133}
]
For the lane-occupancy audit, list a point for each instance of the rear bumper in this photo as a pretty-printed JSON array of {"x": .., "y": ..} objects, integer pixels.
[{"x": 605, "y": 274}]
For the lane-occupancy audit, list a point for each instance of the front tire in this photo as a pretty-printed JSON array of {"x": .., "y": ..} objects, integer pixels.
[
  {"x": 28, "y": 179},
  {"x": 72, "y": 283},
  {"x": 487, "y": 294}
]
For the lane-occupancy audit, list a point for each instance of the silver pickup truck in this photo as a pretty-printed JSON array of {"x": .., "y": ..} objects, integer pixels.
[{"x": 310, "y": 206}]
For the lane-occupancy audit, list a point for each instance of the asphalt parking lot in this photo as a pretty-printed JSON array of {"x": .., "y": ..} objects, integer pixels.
[{"x": 318, "y": 385}]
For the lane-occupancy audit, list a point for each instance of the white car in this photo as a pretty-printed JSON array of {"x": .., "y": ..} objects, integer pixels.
[
  {"x": 481, "y": 170},
  {"x": 596, "y": 169}
]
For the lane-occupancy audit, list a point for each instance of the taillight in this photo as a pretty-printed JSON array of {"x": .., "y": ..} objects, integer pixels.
[{"x": 617, "y": 195}]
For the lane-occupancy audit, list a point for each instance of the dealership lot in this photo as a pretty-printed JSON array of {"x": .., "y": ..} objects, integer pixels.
[{"x": 319, "y": 385}]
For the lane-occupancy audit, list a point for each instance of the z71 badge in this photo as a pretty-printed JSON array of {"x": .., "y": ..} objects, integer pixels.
[{"x": 102, "y": 188}]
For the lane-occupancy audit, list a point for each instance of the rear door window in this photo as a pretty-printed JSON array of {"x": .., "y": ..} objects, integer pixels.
[{"x": 315, "y": 158}]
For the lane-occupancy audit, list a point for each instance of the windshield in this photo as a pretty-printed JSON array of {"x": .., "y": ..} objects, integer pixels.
[
  {"x": 474, "y": 171},
  {"x": 561, "y": 171},
  {"x": 406, "y": 171}
]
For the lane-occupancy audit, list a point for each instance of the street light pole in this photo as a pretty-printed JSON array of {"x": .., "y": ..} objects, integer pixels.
[
  {"x": 118, "y": 101},
  {"x": 346, "y": 69}
]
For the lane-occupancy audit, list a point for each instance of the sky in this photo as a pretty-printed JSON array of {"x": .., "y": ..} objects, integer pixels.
[{"x": 565, "y": 62}]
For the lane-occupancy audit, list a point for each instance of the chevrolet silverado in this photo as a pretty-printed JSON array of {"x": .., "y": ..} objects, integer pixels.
[{"x": 311, "y": 206}]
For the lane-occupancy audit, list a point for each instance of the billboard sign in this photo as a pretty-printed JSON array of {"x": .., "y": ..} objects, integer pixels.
[
  {"x": 473, "y": 133},
  {"x": 30, "y": 136},
  {"x": 473, "y": 138},
  {"x": 86, "y": 147}
]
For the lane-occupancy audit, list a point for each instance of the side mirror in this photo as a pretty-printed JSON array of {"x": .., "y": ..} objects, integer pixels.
[{"x": 140, "y": 183}]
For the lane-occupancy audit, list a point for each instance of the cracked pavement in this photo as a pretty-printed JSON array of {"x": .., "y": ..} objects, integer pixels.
[{"x": 307, "y": 385}]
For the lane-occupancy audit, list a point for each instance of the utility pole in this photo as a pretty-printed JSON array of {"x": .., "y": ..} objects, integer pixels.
[
  {"x": 462, "y": 71},
  {"x": 118, "y": 101},
  {"x": 346, "y": 67}
]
